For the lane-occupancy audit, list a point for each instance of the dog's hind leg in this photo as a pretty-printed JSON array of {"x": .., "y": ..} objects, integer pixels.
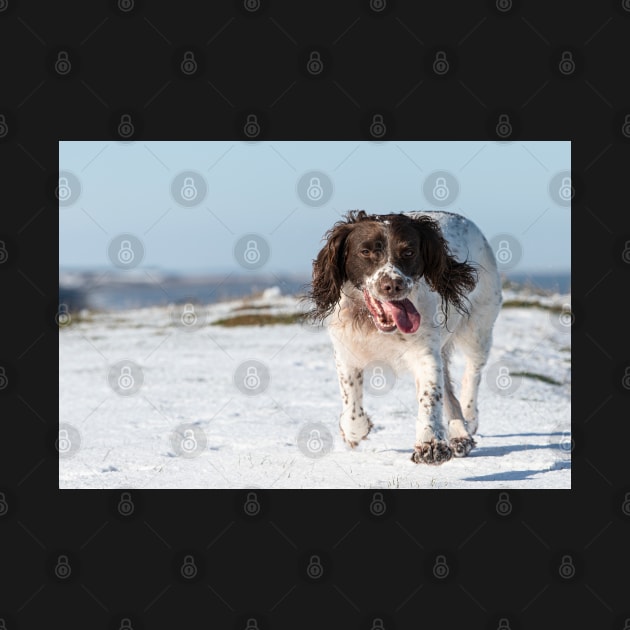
[
  {"x": 460, "y": 439},
  {"x": 475, "y": 341}
]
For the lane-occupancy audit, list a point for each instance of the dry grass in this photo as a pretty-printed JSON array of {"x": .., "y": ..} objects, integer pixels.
[
  {"x": 259, "y": 319},
  {"x": 556, "y": 308},
  {"x": 538, "y": 377},
  {"x": 246, "y": 307}
]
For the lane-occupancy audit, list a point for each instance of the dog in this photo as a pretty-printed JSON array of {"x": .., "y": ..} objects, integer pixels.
[{"x": 407, "y": 289}]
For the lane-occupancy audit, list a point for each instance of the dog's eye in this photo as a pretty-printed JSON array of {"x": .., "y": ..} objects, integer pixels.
[
  {"x": 408, "y": 253},
  {"x": 365, "y": 252}
]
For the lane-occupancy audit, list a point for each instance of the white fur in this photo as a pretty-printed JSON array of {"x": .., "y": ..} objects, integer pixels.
[
  {"x": 424, "y": 353},
  {"x": 387, "y": 269}
]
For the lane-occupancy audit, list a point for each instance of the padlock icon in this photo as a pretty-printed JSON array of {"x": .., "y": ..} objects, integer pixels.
[
  {"x": 189, "y": 317},
  {"x": 504, "y": 253},
  {"x": 440, "y": 63},
  {"x": 625, "y": 255},
  {"x": 4, "y": 380},
  {"x": 4, "y": 254},
  {"x": 189, "y": 442},
  {"x": 440, "y": 568},
  {"x": 566, "y": 190},
  {"x": 315, "y": 64},
  {"x": 566, "y": 442},
  {"x": 440, "y": 189},
  {"x": 626, "y": 5},
  {"x": 504, "y": 380},
  {"x": 315, "y": 570},
  {"x": 125, "y": 378},
  {"x": 126, "y": 5},
  {"x": 439, "y": 319},
  {"x": 315, "y": 191},
  {"x": 377, "y": 505},
  {"x": 625, "y": 381},
  {"x": 125, "y": 505},
  {"x": 63, "y": 568},
  {"x": 62, "y": 64},
  {"x": 251, "y": 506},
  {"x": 566, "y": 316},
  {"x": 504, "y": 624},
  {"x": 4, "y": 506},
  {"x": 504, "y": 507},
  {"x": 566, "y": 568},
  {"x": 252, "y": 379},
  {"x": 189, "y": 64},
  {"x": 377, "y": 624},
  {"x": 378, "y": 128},
  {"x": 251, "y": 5},
  {"x": 125, "y": 126},
  {"x": 125, "y": 253},
  {"x": 567, "y": 64},
  {"x": 625, "y": 128},
  {"x": 64, "y": 443},
  {"x": 63, "y": 191},
  {"x": 125, "y": 624},
  {"x": 315, "y": 443},
  {"x": 377, "y": 380},
  {"x": 252, "y": 253},
  {"x": 625, "y": 506},
  {"x": 188, "y": 568},
  {"x": 4, "y": 128},
  {"x": 626, "y": 624},
  {"x": 251, "y": 128},
  {"x": 378, "y": 5},
  {"x": 189, "y": 191},
  {"x": 504, "y": 126},
  {"x": 504, "y": 5},
  {"x": 252, "y": 624},
  {"x": 63, "y": 316}
]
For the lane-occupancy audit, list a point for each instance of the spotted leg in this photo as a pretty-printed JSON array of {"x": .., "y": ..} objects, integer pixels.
[
  {"x": 354, "y": 423},
  {"x": 431, "y": 446},
  {"x": 460, "y": 439}
]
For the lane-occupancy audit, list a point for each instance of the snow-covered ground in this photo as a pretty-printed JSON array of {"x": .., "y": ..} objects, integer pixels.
[{"x": 165, "y": 398}]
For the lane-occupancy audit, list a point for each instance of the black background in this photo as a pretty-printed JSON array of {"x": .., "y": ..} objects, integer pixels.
[{"x": 377, "y": 59}]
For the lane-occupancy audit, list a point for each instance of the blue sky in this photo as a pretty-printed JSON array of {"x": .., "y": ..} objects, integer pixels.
[{"x": 244, "y": 191}]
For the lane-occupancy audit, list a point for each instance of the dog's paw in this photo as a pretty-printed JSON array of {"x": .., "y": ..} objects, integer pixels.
[
  {"x": 353, "y": 438},
  {"x": 433, "y": 452},
  {"x": 350, "y": 442},
  {"x": 462, "y": 446}
]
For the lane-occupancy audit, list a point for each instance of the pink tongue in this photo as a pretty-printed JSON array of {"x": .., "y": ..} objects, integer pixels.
[{"x": 405, "y": 315}]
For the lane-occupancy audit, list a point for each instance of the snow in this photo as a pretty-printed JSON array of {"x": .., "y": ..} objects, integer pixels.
[{"x": 189, "y": 422}]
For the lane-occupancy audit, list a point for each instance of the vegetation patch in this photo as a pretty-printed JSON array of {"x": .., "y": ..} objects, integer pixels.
[
  {"x": 252, "y": 307},
  {"x": 552, "y": 308},
  {"x": 259, "y": 319},
  {"x": 81, "y": 317},
  {"x": 538, "y": 377}
]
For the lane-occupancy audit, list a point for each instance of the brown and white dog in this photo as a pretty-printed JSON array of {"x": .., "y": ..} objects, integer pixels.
[{"x": 406, "y": 289}]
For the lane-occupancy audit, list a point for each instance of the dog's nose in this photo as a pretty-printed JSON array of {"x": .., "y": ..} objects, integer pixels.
[{"x": 391, "y": 286}]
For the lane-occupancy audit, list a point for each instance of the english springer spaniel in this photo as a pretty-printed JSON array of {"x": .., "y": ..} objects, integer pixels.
[{"x": 406, "y": 289}]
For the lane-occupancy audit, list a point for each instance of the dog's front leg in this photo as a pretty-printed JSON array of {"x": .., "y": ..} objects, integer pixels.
[
  {"x": 354, "y": 423},
  {"x": 431, "y": 445}
]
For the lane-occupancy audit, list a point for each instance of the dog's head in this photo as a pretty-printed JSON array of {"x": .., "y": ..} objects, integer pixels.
[{"x": 383, "y": 257}]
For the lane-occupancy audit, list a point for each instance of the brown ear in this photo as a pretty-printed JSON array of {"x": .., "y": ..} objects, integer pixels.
[
  {"x": 329, "y": 271},
  {"x": 453, "y": 280}
]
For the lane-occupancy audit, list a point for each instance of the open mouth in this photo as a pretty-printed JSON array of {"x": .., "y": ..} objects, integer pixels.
[{"x": 389, "y": 316}]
